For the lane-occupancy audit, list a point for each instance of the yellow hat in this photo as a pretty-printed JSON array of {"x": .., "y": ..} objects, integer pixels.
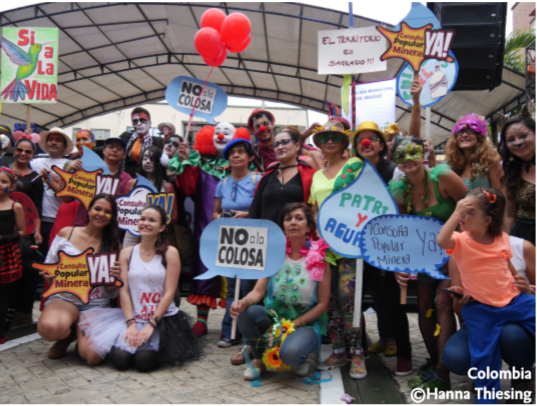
[{"x": 367, "y": 125}]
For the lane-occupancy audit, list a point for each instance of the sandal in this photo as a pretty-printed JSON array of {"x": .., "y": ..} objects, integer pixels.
[{"x": 238, "y": 358}]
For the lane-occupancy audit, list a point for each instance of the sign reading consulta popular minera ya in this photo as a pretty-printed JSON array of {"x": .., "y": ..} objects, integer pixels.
[{"x": 29, "y": 65}]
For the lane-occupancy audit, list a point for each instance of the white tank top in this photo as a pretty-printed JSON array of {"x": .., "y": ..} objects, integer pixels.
[
  {"x": 517, "y": 246},
  {"x": 146, "y": 284}
]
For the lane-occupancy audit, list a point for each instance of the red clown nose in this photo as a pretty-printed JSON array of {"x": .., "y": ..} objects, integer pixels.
[
  {"x": 366, "y": 143},
  {"x": 220, "y": 136},
  {"x": 262, "y": 129}
]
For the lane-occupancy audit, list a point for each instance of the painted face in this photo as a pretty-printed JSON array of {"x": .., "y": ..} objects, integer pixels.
[
  {"x": 147, "y": 162},
  {"x": 368, "y": 144},
  {"x": 408, "y": 151},
  {"x": 521, "y": 141},
  {"x": 295, "y": 224},
  {"x": 83, "y": 138},
  {"x": 263, "y": 128},
  {"x": 171, "y": 146},
  {"x": 223, "y": 134},
  {"x": 5, "y": 183},
  {"x": 141, "y": 123},
  {"x": 101, "y": 213}
]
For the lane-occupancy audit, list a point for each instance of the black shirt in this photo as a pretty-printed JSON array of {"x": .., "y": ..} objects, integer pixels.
[{"x": 34, "y": 190}]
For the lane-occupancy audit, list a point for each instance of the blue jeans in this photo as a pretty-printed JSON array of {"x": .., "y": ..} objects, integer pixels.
[
  {"x": 253, "y": 323},
  {"x": 516, "y": 344},
  {"x": 246, "y": 287}
]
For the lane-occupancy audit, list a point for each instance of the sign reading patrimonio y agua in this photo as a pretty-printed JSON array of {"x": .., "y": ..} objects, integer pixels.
[{"x": 29, "y": 65}]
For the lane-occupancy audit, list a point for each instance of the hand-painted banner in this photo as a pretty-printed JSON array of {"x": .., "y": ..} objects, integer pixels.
[
  {"x": 404, "y": 243},
  {"x": 79, "y": 274},
  {"x": 29, "y": 65},
  {"x": 182, "y": 94},
  {"x": 343, "y": 215},
  {"x": 375, "y": 102},
  {"x": 164, "y": 200},
  {"x": 83, "y": 185},
  {"x": 356, "y": 50},
  {"x": 242, "y": 248}
]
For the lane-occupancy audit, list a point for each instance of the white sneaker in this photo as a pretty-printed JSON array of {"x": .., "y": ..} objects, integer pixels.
[
  {"x": 249, "y": 374},
  {"x": 224, "y": 343},
  {"x": 302, "y": 370}
]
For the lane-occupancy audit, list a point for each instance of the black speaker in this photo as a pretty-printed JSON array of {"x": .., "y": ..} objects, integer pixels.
[{"x": 478, "y": 43}]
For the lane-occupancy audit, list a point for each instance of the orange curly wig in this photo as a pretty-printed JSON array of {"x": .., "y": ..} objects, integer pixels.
[{"x": 204, "y": 139}]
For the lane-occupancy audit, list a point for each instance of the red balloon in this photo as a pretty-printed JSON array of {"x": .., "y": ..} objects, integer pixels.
[
  {"x": 235, "y": 29},
  {"x": 241, "y": 47},
  {"x": 213, "y": 18},
  {"x": 208, "y": 43},
  {"x": 218, "y": 61}
]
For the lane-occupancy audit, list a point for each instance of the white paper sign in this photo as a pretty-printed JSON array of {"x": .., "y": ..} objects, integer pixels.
[
  {"x": 356, "y": 50},
  {"x": 374, "y": 102},
  {"x": 242, "y": 247},
  {"x": 129, "y": 208},
  {"x": 189, "y": 94}
]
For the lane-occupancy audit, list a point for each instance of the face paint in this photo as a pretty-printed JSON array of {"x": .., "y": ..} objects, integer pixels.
[
  {"x": 6, "y": 190},
  {"x": 147, "y": 162},
  {"x": 223, "y": 134},
  {"x": 141, "y": 124},
  {"x": 406, "y": 150},
  {"x": 171, "y": 146},
  {"x": 108, "y": 215}
]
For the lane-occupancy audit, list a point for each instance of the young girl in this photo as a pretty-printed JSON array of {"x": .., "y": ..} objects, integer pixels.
[
  {"x": 149, "y": 329},
  {"x": 11, "y": 215},
  {"x": 483, "y": 253}
]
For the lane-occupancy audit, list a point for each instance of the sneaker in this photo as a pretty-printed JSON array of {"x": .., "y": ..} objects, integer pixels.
[
  {"x": 417, "y": 381},
  {"x": 377, "y": 347},
  {"x": 425, "y": 368},
  {"x": 334, "y": 361},
  {"x": 431, "y": 381},
  {"x": 358, "y": 369},
  {"x": 259, "y": 366},
  {"x": 302, "y": 370},
  {"x": 391, "y": 351},
  {"x": 404, "y": 367},
  {"x": 199, "y": 329},
  {"x": 227, "y": 342}
]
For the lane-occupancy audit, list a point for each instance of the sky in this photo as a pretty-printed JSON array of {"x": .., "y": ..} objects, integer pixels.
[{"x": 388, "y": 11}]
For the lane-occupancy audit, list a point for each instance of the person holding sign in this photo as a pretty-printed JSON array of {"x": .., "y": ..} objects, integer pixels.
[
  {"x": 517, "y": 149},
  {"x": 11, "y": 216},
  {"x": 470, "y": 155},
  {"x": 297, "y": 296},
  {"x": 486, "y": 278},
  {"x": 149, "y": 329},
  {"x": 334, "y": 140},
  {"x": 428, "y": 192},
  {"x": 62, "y": 310}
]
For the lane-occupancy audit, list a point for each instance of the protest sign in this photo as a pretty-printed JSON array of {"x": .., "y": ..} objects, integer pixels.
[
  {"x": 182, "y": 94},
  {"x": 129, "y": 208},
  {"x": 79, "y": 274},
  {"x": 29, "y": 65},
  {"x": 164, "y": 200},
  {"x": 375, "y": 102},
  {"x": 238, "y": 248},
  {"x": 343, "y": 214},
  {"x": 356, "y": 50},
  {"x": 404, "y": 243},
  {"x": 91, "y": 161}
]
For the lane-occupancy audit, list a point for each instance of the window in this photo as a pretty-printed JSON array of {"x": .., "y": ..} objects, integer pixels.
[{"x": 100, "y": 134}]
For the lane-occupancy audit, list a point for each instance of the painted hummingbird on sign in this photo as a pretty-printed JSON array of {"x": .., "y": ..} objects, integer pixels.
[{"x": 27, "y": 62}]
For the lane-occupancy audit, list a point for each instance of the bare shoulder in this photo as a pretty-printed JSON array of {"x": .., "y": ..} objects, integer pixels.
[{"x": 64, "y": 232}]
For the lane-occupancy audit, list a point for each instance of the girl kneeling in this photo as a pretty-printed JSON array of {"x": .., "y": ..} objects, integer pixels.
[
  {"x": 149, "y": 329},
  {"x": 291, "y": 294}
]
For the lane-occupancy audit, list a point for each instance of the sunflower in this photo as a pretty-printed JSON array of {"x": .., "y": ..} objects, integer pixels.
[
  {"x": 287, "y": 327},
  {"x": 271, "y": 358}
]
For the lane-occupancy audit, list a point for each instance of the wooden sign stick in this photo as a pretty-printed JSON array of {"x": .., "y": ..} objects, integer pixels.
[
  {"x": 403, "y": 294},
  {"x": 28, "y": 118},
  {"x": 237, "y": 293},
  {"x": 359, "y": 282}
]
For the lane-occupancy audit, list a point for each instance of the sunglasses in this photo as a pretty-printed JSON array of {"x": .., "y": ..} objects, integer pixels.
[
  {"x": 26, "y": 151},
  {"x": 335, "y": 137},
  {"x": 373, "y": 138},
  {"x": 174, "y": 144},
  {"x": 141, "y": 121},
  {"x": 282, "y": 142},
  {"x": 466, "y": 130}
]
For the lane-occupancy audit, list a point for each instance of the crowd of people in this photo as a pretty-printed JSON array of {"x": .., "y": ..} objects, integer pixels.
[{"x": 484, "y": 195}]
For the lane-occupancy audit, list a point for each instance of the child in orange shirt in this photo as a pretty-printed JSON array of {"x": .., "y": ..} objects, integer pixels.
[{"x": 483, "y": 253}]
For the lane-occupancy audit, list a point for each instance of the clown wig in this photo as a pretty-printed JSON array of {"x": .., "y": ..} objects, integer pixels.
[{"x": 204, "y": 139}]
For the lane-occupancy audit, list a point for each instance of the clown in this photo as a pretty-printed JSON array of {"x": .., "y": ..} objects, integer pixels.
[{"x": 198, "y": 172}]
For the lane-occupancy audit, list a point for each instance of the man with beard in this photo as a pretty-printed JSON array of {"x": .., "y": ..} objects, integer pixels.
[{"x": 139, "y": 140}]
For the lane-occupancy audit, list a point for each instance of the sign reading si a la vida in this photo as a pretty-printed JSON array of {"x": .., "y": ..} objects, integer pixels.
[
  {"x": 29, "y": 65},
  {"x": 356, "y": 50},
  {"x": 404, "y": 243},
  {"x": 185, "y": 93},
  {"x": 79, "y": 274},
  {"x": 344, "y": 214},
  {"x": 238, "y": 248}
]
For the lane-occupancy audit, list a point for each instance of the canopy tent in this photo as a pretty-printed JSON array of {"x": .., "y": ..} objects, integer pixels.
[{"x": 119, "y": 55}]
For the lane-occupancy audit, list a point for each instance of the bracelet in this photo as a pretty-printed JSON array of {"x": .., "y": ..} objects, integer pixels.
[
  {"x": 416, "y": 107},
  {"x": 156, "y": 320},
  {"x": 151, "y": 324},
  {"x": 130, "y": 321},
  {"x": 300, "y": 318}
]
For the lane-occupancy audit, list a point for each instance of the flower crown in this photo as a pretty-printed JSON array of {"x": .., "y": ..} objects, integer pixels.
[
  {"x": 393, "y": 129},
  {"x": 333, "y": 128},
  {"x": 475, "y": 122}
]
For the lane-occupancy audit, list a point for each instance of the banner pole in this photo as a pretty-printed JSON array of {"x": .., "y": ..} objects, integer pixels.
[
  {"x": 359, "y": 281},
  {"x": 403, "y": 294},
  {"x": 237, "y": 293},
  {"x": 28, "y": 118}
]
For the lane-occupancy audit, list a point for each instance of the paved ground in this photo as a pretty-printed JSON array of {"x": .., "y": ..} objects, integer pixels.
[{"x": 28, "y": 376}]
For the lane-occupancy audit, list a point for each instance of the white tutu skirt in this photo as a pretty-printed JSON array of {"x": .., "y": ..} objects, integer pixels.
[{"x": 106, "y": 329}]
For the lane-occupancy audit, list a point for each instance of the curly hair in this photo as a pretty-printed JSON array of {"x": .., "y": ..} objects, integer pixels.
[
  {"x": 512, "y": 165},
  {"x": 289, "y": 207},
  {"x": 204, "y": 139},
  {"x": 483, "y": 154},
  {"x": 494, "y": 210}
]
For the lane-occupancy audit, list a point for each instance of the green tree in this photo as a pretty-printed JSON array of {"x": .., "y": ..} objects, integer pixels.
[{"x": 515, "y": 46}]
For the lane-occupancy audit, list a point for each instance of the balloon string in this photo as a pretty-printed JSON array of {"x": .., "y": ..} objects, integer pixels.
[{"x": 196, "y": 103}]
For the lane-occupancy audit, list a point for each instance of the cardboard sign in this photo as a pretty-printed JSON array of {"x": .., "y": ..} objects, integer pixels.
[
  {"x": 129, "y": 208},
  {"x": 344, "y": 214},
  {"x": 164, "y": 200},
  {"x": 437, "y": 78},
  {"x": 404, "y": 243},
  {"x": 182, "y": 94},
  {"x": 375, "y": 102},
  {"x": 79, "y": 274},
  {"x": 242, "y": 248},
  {"x": 29, "y": 65},
  {"x": 84, "y": 186}
]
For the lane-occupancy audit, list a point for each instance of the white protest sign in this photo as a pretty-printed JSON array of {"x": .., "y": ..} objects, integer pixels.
[
  {"x": 129, "y": 208},
  {"x": 375, "y": 102},
  {"x": 356, "y": 50},
  {"x": 189, "y": 94},
  {"x": 242, "y": 247}
]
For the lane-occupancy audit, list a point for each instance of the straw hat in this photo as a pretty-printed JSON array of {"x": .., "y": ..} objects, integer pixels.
[
  {"x": 332, "y": 127},
  {"x": 368, "y": 125},
  {"x": 169, "y": 125},
  {"x": 56, "y": 130}
]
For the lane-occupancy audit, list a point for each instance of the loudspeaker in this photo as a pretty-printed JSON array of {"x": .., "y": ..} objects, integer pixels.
[{"x": 478, "y": 43}]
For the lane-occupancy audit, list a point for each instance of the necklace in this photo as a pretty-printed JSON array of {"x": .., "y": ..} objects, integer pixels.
[{"x": 408, "y": 195}]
